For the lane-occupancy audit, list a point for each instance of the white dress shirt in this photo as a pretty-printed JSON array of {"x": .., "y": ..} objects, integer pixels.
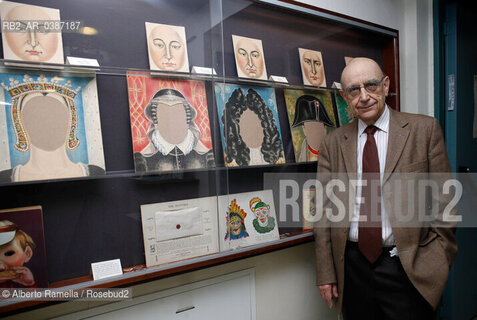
[{"x": 381, "y": 137}]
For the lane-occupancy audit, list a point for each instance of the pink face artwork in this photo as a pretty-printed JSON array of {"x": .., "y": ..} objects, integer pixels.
[
  {"x": 37, "y": 44},
  {"x": 167, "y": 49}
]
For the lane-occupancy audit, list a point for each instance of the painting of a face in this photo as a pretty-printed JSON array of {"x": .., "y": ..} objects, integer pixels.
[
  {"x": 315, "y": 132},
  {"x": 249, "y": 58},
  {"x": 12, "y": 255},
  {"x": 46, "y": 121},
  {"x": 262, "y": 215},
  {"x": 235, "y": 225},
  {"x": 311, "y": 115},
  {"x": 34, "y": 44},
  {"x": 167, "y": 48},
  {"x": 312, "y": 68},
  {"x": 172, "y": 121},
  {"x": 251, "y": 129}
]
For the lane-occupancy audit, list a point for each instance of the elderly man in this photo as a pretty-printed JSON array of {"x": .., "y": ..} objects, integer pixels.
[{"x": 389, "y": 269}]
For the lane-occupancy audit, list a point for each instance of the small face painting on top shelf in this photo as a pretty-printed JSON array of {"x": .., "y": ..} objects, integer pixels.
[
  {"x": 167, "y": 47},
  {"x": 312, "y": 68},
  {"x": 33, "y": 42},
  {"x": 249, "y": 58}
]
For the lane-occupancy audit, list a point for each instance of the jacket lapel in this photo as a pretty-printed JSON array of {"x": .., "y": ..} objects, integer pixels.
[
  {"x": 397, "y": 137},
  {"x": 348, "y": 148}
]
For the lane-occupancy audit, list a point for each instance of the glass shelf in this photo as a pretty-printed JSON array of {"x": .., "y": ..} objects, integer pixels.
[
  {"x": 118, "y": 71},
  {"x": 163, "y": 175}
]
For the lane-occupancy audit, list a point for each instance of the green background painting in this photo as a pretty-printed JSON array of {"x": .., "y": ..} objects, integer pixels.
[
  {"x": 290, "y": 99},
  {"x": 344, "y": 112}
]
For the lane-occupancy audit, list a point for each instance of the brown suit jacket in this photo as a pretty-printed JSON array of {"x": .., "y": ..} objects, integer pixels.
[{"x": 426, "y": 250}]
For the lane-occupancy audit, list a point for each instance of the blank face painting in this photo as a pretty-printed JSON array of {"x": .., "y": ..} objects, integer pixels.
[
  {"x": 167, "y": 49},
  {"x": 37, "y": 44}
]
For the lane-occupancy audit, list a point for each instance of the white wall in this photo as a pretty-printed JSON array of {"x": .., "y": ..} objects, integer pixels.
[
  {"x": 284, "y": 287},
  {"x": 413, "y": 19}
]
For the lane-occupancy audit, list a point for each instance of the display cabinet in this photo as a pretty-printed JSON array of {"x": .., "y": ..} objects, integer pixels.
[{"x": 97, "y": 217}]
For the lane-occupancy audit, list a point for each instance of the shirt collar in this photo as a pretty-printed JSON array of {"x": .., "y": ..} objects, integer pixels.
[
  {"x": 165, "y": 147},
  {"x": 382, "y": 123}
]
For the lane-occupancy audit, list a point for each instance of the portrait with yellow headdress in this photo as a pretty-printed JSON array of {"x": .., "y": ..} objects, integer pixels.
[{"x": 235, "y": 222}]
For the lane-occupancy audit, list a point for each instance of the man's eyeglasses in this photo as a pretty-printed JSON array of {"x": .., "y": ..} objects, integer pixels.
[{"x": 370, "y": 86}]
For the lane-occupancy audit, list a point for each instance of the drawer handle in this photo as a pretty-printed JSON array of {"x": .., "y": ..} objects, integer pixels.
[{"x": 185, "y": 309}]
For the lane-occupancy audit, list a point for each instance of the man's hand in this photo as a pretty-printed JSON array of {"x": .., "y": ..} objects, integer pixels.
[{"x": 328, "y": 292}]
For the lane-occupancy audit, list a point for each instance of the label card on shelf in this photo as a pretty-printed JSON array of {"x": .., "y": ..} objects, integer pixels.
[
  {"x": 336, "y": 85},
  {"x": 106, "y": 269},
  {"x": 203, "y": 70},
  {"x": 278, "y": 79},
  {"x": 82, "y": 62}
]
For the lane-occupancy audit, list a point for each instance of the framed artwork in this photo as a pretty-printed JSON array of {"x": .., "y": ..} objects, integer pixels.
[
  {"x": 249, "y": 58},
  {"x": 179, "y": 230},
  {"x": 308, "y": 208},
  {"x": 246, "y": 219},
  {"x": 345, "y": 115},
  {"x": 22, "y": 248},
  {"x": 249, "y": 125},
  {"x": 312, "y": 68},
  {"x": 32, "y": 43},
  {"x": 50, "y": 127},
  {"x": 311, "y": 117},
  {"x": 169, "y": 124},
  {"x": 167, "y": 47}
]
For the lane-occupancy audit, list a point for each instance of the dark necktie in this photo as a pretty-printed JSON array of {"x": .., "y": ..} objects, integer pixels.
[{"x": 369, "y": 233}]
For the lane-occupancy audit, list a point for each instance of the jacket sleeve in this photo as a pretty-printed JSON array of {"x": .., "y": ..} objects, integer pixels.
[
  {"x": 325, "y": 270},
  {"x": 439, "y": 168}
]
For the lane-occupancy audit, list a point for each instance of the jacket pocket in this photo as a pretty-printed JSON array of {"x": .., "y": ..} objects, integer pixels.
[
  {"x": 420, "y": 166},
  {"x": 431, "y": 236}
]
